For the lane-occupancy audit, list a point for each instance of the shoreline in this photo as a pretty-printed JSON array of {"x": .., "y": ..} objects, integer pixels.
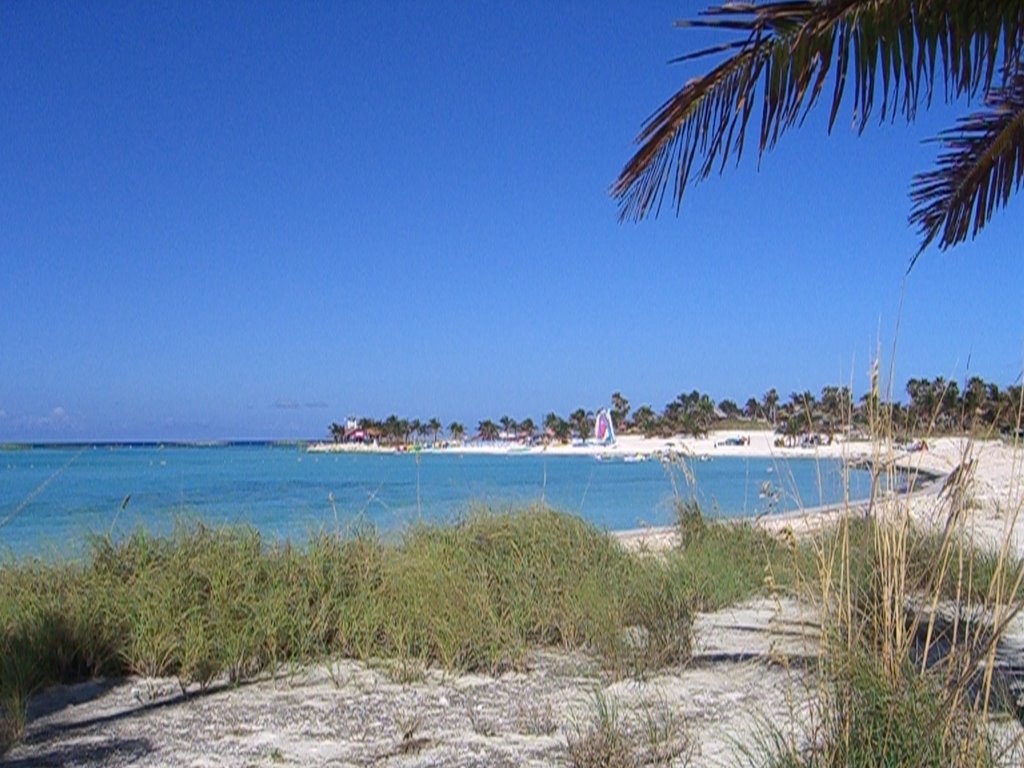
[
  {"x": 760, "y": 443},
  {"x": 996, "y": 486},
  {"x": 799, "y": 521},
  {"x": 926, "y": 469}
]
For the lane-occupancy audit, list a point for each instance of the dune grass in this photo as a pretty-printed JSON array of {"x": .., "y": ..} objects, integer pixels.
[
  {"x": 910, "y": 623},
  {"x": 731, "y": 561},
  {"x": 204, "y": 603},
  {"x": 871, "y": 719},
  {"x": 911, "y": 619}
]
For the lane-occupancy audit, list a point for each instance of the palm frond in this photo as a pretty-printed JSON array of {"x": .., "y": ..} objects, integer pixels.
[
  {"x": 983, "y": 164},
  {"x": 892, "y": 50}
]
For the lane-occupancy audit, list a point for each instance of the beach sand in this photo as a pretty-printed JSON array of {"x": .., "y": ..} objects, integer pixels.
[
  {"x": 995, "y": 487},
  {"x": 714, "y": 444}
]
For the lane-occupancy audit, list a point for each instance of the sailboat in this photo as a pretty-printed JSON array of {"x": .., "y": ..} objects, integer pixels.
[{"x": 604, "y": 429}]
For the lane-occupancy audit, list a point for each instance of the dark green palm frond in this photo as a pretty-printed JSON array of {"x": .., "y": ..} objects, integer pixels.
[
  {"x": 696, "y": 118},
  {"x": 892, "y": 50},
  {"x": 982, "y": 166}
]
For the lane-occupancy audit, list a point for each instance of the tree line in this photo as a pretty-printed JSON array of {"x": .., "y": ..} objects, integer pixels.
[{"x": 932, "y": 406}]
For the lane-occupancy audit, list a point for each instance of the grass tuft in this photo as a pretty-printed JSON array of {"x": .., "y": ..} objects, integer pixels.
[{"x": 609, "y": 740}]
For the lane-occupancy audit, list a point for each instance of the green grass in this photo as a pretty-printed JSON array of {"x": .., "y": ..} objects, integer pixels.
[
  {"x": 968, "y": 576},
  {"x": 870, "y": 720},
  {"x": 204, "y": 603},
  {"x": 875, "y": 707},
  {"x": 607, "y": 739},
  {"x": 726, "y": 563}
]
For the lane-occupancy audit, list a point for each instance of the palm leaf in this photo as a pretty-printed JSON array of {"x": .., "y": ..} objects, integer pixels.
[
  {"x": 983, "y": 164},
  {"x": 892, "y": 50}
]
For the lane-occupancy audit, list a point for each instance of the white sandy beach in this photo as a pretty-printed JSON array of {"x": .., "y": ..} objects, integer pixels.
[
  {"x": 996, "y": 484},
  {"x": 760, "y": 443}
]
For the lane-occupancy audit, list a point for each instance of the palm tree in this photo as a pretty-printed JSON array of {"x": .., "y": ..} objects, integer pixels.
[
  {"x": 394, "y": 429},
  {"x": 791, "y": 428},
  {"x": 803, "y": 403},
  {"x": 488, "y": 430},
  {"x": 337, "y": 431},
  {"x": 701, "y": 416},
  {"x": 527, "y": 427},
  {"x": 777, "y": 67},
  {"x": 368, "y": 425},
  {"x": 434, "y": 425},
  {"x": 620, "y": 411},
  {"x": 752, "y": 408},
  {"x": 457, "y": 431},
  {"x": 508, "y": 425},
  {"x": 646, "y": 420},
  {"x": 730, "y": 408},
  {"x": 770, "y": 402},
  {"x": 973, "y": 399},
  {"x": 868, "y": 408},
  {"x": 550, "y": 422},
  {"x": 921, "y": 402},
  {"x": 836, "y": 408},
  {"x": 996, "y": 406},
  {"x": 582, "y": 422},
  {"x": 949, "y": 403},
  {"x": 691, "y": 412},
  {"x": 557, "y": 428},
  {"x": 1010, "y": 407}
]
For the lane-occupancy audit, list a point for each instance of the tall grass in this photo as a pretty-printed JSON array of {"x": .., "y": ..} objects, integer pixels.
[
  {"x": 204, "y": 603},
  {"x": 730, "y": 561},
  {"x": 912, "y": 619}
]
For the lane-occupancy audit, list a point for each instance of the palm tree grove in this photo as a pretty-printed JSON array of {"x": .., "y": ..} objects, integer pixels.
[{"x": 930, "y": 407}]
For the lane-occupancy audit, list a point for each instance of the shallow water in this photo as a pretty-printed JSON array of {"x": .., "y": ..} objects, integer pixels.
[{"x": 51, "y": 498}]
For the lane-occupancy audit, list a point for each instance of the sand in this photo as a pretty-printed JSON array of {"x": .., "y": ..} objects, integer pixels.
[
  {"x": 996, "y": 486},
  {"x": 760, "y": 444},
  {"x": 749, "y": 664}
]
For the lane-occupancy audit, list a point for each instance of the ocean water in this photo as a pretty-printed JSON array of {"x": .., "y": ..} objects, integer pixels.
[{"x": 52, "y": 498}]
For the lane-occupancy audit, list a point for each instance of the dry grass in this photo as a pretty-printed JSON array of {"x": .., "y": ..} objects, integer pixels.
[{"x": 911, "y": 626}]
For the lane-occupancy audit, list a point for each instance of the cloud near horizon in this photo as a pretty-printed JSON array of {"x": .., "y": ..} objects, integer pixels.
[
  {"x": 287, "y": 404},
  {"x": 57, "y": 418}
]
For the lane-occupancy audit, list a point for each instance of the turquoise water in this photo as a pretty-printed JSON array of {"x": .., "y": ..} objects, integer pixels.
[{"x": 51, "y": 498}]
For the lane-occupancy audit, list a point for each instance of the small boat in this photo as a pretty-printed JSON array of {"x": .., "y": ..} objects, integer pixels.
[{"x": 604, "y": 429}]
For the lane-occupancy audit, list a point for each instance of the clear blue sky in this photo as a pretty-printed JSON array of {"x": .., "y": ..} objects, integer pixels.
[{"x": 244, "y": 220}]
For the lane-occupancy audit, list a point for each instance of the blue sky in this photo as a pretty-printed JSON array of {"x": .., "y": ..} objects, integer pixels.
[{"x": 245, "y": 220}]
